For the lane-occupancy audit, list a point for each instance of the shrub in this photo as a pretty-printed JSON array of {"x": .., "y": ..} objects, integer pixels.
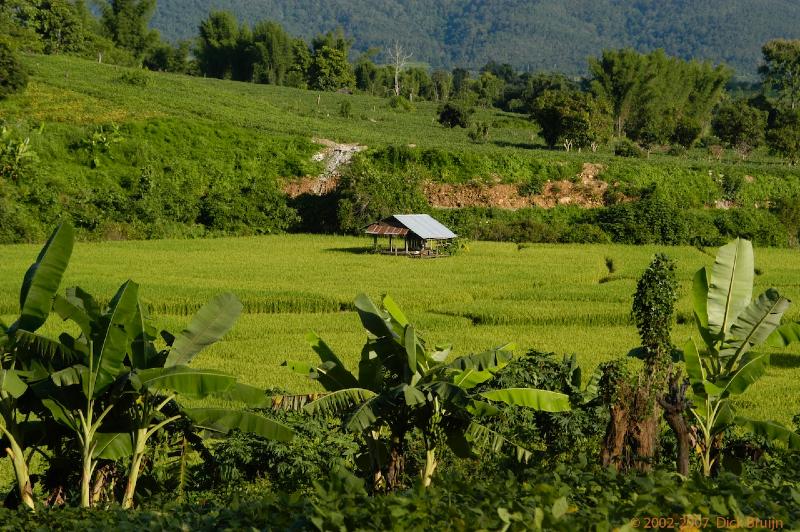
[
  {"x": 400, "y": 103},
  {"x": 452, "y": 114},
  {"x": 13, "y": 76},
  {"x": 653, "y": 219},
  {"x": 136, "y": 78},
  {"x": 480, "y": 133},
  {"x": 627, "y": 148},
  {"x": 346, "y": 109}
]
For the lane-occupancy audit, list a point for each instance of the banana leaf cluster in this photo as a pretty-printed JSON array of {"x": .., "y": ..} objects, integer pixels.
[
  {"x": 403, "y": 384},
  {"x": 735, "y": 329},
  {"x": 104, "y": 386}
]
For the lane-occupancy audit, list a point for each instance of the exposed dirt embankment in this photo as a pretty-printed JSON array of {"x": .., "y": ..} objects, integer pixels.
[{"x": 586, "y": 191}]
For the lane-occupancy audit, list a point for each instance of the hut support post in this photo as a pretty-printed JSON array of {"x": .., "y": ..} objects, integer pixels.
[{"x": 375, "y": 242}]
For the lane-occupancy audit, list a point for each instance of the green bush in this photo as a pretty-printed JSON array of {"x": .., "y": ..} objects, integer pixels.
[
  {"x": 400, "y": 103},
  {"x": 653, "y": 219},
  {"x": 627, "y": 148},
  {"x": 368, "y": 194},
  {"x": 452, "y": 114},
  {"x": 13, "y": 76}
]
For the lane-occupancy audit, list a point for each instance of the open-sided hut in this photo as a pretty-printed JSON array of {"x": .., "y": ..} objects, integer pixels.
[{"x": 417, "y": 235}]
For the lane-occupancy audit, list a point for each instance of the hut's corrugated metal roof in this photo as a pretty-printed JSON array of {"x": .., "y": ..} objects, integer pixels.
[
  {"x": 384, "y": 229},
  {"x": 424, "y": 226}
]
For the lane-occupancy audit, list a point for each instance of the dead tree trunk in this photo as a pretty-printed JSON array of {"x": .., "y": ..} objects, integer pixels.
[{"x": 675, "y": 405}]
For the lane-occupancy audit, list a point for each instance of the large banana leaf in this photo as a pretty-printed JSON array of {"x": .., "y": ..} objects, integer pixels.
[
  {"x": 469, "y": 378},
  {"x": 410, "y": 342},
  {"x": 784, "y": 335},
  {"x": 394, "y": 311},
  {"x": 483, "y": 437},
  {"x": 493, "y": 359},
  {"x": 754, "y": 325},
  {"x": 372, "y": 318},
  {"x": 749, "y": 372},
  {"x": 543, "y": 400},
  {"x": 111, "y": 346},
  {"x": 694, "y": 367},
  {"x": 338, "y": 402},
  {"x": 112, "y": 445},
  {"x": 772, "y": 431},
  {"x": 11, "y": 384},
  {"x": 219, "y": 421},
  {"x": 332, "y": 374},
  {"x": 68, "y": 310},
  {"x": 252, "y": 396},
  {"x": 700, "y": 297},
  {"x": 366, "y": 415},
  {"x": 43, "y": 278},
  {"x": 370, "y": 370},
  {"x": 207, "y": 326},
  {"x": 731, "y": 287},
  {"x": 143, "y": 352},
  {"x": 193, "y": 383}
]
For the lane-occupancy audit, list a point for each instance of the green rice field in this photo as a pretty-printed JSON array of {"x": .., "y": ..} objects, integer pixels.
[{"x": 561, "y": 298}]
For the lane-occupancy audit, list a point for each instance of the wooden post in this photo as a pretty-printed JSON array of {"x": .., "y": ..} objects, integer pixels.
[
  {"x": 391, "y": 247},
  {"x": 375, "y": 242}
]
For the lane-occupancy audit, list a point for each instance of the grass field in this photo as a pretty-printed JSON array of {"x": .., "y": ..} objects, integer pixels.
[{"x": 560, "y": 298}]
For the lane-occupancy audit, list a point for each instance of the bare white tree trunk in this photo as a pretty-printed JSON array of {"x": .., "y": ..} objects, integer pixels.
[{"x": 399, "y": 59}]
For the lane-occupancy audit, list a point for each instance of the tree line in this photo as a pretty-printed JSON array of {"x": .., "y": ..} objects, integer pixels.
[{"x": 651, "y": 98}]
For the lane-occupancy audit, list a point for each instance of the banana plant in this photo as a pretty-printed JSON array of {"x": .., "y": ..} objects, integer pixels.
[
  {"x": 39, "y": 285},
  {"x": 403, "y": 384},
  {"x": 732, "y": 325},
  {"x": 117, "y": 397}
]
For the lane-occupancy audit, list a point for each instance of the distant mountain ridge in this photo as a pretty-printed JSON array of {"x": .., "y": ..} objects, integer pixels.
[{"x": 529, "y": 34}]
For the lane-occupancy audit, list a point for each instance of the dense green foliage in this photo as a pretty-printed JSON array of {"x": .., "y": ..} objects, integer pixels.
[
  {"x": 13, "y": 76},
  {"x": 543, "y": 35}
]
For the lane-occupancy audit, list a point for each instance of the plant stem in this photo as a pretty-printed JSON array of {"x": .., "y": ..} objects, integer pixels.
[{"x": 430, "y": 467}]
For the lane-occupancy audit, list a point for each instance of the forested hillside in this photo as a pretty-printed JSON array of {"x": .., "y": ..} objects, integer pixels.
[{"x": 529, "y": 34}]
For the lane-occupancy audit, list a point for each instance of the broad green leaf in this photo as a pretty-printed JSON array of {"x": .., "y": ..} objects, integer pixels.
[
  {"x": 694, "y": 368},
  {"x": 252, "y": 396},
  {"x": 43, "y": 278},
  {"x": 411, "y": 348},
  {"x": 193, "y": 383},
  {"x": 469, "y": 378},
  {"x": 67, "y": 310},
  {"x": 372, "y": 318},
  {"x": 59, "y": 413},
  {"x": 394, "y": 311},
  {"x": 112, "y": 445},
  {"x": 332, "y": 374},
  {"x": 365, "y": 415},
  {"x": 725, "y": 417},
  {"x": 111, "y": 346},
  {"x": 746, "y": 375},
  {"x": 82, "y": 299},
  {"x": 494, "y": 359},
  {"x": 223, "y": 420},
  {"x": 485, "y": 438},
  {"x": 481, "y": 409},
  {"x": 413, "y": 396},
  {"x": 771, "y": 430},
  {"x": 731, "y": 286},
  {"x": 784, "y": 335},
  {"x": 11, "y": 384},
  {"x": 338, "y": 402},
  {"x": 544, "y": 400},
  {"x": 32, "y": 346},
  {"x": 142, "y": 334},
  {"x": 754, "y": 325},
  {"x": 207, "y": 326},
  {"x": 370, "y": 370},
  {"x": 700, "y": 297},
  {"x": 71, "y": 376}
]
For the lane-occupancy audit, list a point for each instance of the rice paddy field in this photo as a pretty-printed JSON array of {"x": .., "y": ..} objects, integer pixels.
[{"x": 560, "y": 298}]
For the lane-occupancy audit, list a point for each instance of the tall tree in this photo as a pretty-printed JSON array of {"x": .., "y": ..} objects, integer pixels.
[
  {"x": 126, "y": 23},
  {"x": 781, "y": 70},
  {"x": 398, "y": 58},
  {"x": 272, "y": 53},
  {"x": 217, "y": 44}
]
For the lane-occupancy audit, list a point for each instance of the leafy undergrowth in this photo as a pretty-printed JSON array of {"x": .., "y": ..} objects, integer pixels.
[{"x": 580, "y": 497}]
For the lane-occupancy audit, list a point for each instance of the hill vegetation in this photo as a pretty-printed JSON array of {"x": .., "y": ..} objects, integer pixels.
[{"x": 541, "y": 35}]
